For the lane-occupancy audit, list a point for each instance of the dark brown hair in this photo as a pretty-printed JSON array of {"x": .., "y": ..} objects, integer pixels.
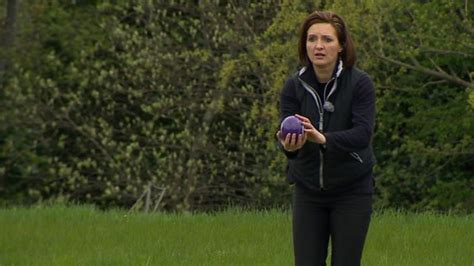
[{"x": 348, "y": 54}]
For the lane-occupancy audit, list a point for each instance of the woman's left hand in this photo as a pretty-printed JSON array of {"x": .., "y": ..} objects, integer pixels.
[{"x": 312, "y": 133}]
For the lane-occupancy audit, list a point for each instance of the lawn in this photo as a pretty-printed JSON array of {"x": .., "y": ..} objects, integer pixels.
[{"x": 82, "y": 235}]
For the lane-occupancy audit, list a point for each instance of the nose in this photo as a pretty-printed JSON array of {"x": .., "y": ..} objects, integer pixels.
[{"x": 319, "y": 45}]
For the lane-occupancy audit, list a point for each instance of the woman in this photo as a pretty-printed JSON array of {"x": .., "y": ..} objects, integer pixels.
[{"x": 331, "y": 162}]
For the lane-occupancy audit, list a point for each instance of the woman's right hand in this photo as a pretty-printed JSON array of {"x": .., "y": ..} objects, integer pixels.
[{"x": 292, "y": 142}]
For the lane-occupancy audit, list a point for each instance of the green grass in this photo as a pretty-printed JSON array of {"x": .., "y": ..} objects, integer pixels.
[{"x": 63, "y": 235}]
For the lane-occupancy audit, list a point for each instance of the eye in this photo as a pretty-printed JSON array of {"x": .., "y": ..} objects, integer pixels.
[
  {"x": 312, "y": 38},
  {"x": 328, "y": 39}
]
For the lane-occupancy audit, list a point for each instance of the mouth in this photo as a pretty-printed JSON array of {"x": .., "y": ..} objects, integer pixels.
[{"x": 319, "y": 55}]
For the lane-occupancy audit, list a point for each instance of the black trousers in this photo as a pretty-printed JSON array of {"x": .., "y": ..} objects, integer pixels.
[{"x": 318, "y": 218}]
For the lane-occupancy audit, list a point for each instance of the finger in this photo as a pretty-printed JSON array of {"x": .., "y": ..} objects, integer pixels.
[
  {"x": 288, "y": 143},
  {"x": 287, "y": 140},
  {"x": 278, "y": 135},
  {"x": 302, "y": 138},
  {"x": 294, "y": 139},
  {"x": 302, "y": 118},
  {"x": 307, "y": 124}
]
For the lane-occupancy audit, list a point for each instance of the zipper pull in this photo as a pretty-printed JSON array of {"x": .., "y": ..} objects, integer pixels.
[{"x": 321, "y": 120}]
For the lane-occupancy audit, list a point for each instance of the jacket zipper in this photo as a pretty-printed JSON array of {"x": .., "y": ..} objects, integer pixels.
[
  {"x": 357, "y": 157},
  {"x": 319, "y": 104}
]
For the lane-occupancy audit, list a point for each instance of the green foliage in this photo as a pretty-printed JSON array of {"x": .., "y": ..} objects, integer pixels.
[
  {"x": 146, "y": 105},
  {"x": 183, "y": 96},
  {"x": 425, "y": 125}
]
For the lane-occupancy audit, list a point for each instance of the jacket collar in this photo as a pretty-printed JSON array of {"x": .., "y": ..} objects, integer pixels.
[
  {"x": 310, "y": 77},
  {"x": 307, "y": 73}
]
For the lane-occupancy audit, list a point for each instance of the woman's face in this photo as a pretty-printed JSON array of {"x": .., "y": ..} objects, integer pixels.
[{"x": 322, "y": 45}]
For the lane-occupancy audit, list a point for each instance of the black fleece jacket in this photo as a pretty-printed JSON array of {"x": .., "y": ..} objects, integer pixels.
[{"x": 348, "y": 131}]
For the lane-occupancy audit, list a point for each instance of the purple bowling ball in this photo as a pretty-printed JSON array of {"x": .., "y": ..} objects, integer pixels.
[{"x": 291, "y": 125}]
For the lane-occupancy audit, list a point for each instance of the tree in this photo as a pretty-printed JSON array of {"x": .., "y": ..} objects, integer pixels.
[
  {"x": 116, "y": 99},
  {"x": 7, "y": 35},
  {"x": 420, "y": 56}
]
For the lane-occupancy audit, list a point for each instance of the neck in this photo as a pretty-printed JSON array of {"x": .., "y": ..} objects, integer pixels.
[{"x": 324, "y": 73}]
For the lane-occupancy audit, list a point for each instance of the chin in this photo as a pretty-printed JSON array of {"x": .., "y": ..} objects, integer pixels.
[{"x": 320, "y": 64}]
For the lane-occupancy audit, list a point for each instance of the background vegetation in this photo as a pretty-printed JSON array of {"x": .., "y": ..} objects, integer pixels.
[{"x": 174, "y": 103}]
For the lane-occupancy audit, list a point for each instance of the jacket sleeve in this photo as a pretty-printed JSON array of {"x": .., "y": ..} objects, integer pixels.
[
  {"x": 289, "y": 105},
  {"x": 363, "y": 120}
]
